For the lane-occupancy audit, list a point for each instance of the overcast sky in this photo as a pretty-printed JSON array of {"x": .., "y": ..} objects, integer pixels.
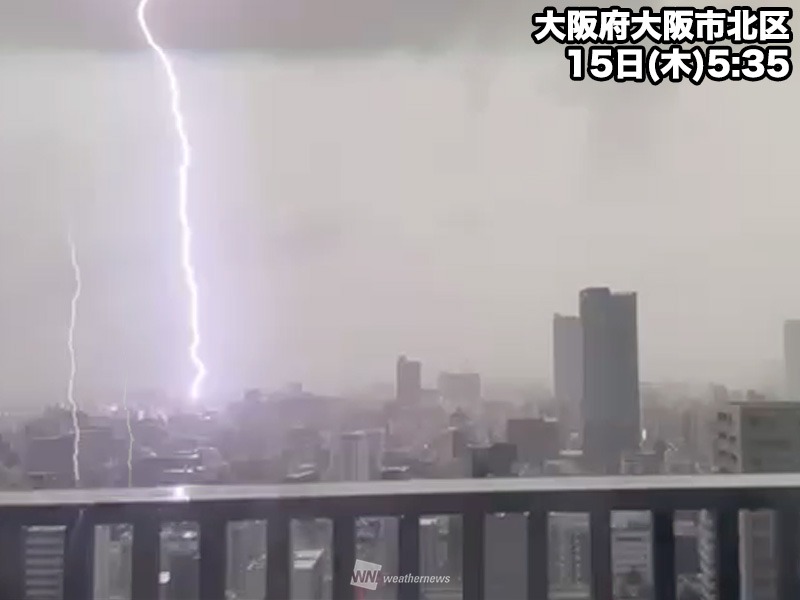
[{"x": 353, "y": 201}]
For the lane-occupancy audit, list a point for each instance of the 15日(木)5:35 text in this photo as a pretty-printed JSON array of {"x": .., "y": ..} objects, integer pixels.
[{"x": 674, "y": 44}]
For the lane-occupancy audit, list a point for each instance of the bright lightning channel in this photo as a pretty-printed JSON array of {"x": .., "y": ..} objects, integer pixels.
[
  {"x": 183, "y": 200},
  {"x": 73, "y": 367},
  {"x": 130, "y": 432}
]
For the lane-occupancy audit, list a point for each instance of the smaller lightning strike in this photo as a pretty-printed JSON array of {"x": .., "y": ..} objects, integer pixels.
[
  {"x": 183, "y": 198},
  {"x": 73, "y": 368},
  {"x": 130, "y": 432}
]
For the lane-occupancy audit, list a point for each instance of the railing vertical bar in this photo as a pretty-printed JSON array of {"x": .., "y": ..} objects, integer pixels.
[
  {"x": 788, "y": 553},
  {"x": 213, "y": 556},
  {"x": 344, "y": 557},
  {"x": 664, "y": 554},
  {"x": 473, "y": 564},
  {"x": 146, "y": 553},
  {"x": 279, "y": 553},
  {"x": 600, "y": 533},
  {"x": 728, "y": 553},
  {"x": 12, "y": 562},
  {"x": 79, "y": 558},
  {"x": 538, "y": 556},
  {"x": 408, "y": 563}
]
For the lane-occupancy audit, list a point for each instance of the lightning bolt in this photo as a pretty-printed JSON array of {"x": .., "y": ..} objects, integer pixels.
[
  {"x": 183, "y": 199},
  {"x": 73, "y": 368},
  {"x": 130, "y": 432}
]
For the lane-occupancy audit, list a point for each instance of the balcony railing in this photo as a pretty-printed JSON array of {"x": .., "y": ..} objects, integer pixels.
[{"x": 80, "y": 511}]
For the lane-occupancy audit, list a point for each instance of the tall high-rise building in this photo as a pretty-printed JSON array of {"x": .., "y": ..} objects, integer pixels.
[
  {"x": 409, "y": 380},
  {"x": 791, "y": 356},
  {"x": 611, "y": 411},
  {"x": 568, "y": 373}
]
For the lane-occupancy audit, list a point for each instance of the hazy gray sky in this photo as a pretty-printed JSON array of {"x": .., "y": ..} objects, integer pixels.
[{"x": 346, "y": 209}]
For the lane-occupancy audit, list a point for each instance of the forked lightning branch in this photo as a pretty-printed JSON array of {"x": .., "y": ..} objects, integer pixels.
[{"x": 674, "y": 44}]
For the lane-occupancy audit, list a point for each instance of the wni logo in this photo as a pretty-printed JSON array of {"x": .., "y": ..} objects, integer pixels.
[{"x": 366, "y": 575}]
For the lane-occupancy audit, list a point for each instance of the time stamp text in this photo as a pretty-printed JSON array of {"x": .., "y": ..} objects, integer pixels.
[{"x": 673, "y": 44}]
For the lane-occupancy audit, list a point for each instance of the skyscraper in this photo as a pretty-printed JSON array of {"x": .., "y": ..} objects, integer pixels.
[
  {"x": 568, "y": 372},
  {"x": 791, "y": 356},
  {"x": 610, "y": 376},
  {"x": 409, "y": 380}
]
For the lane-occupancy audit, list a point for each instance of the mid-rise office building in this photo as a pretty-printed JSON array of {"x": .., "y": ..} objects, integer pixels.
[{"x": 754, "y": 437}]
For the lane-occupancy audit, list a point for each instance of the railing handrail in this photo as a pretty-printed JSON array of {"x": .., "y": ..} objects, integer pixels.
[
  {"x": 685, "y": 485},
  {"x": 212, "y": 508}
]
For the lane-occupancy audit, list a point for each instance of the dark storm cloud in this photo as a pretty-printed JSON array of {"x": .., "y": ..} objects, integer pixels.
[{"x": 276, "y": 26}]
